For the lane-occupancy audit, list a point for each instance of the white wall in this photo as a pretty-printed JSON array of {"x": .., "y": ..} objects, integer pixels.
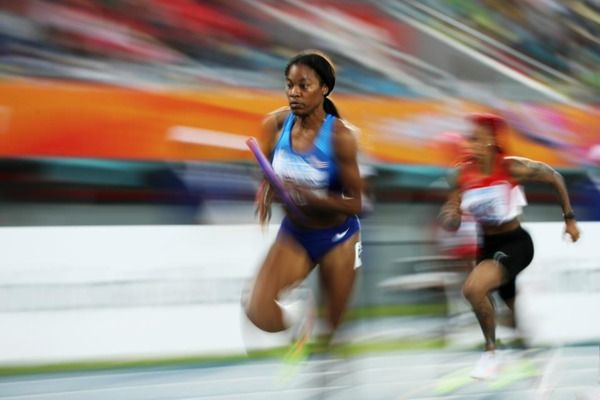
[
  {"x": 40, "y": 264},
  {"x": 558, "y": 299},
  {"x": 88, "y": 293},
  {"x": 106, "y": 253}
]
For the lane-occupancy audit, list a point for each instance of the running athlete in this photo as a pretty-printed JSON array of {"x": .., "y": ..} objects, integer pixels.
[
  {"x": 487, "y": 187},
  {"x": 315, "y": 153}
]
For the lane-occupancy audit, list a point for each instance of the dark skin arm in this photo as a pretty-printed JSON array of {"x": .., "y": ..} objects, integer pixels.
[
  {"x": 270, "y": 128},
  {"x": 526, "y": 170},
  {"x": 350, "y": 202}
]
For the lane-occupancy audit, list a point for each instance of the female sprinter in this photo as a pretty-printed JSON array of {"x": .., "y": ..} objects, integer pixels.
[
  {"x": 315, "y": 153},
  {"x": 487, "y": 186}
]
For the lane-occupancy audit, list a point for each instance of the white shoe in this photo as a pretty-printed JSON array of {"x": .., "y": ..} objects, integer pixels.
[
  {"x": 299, "y": 315},
  {"x": 486, "y": 367}
]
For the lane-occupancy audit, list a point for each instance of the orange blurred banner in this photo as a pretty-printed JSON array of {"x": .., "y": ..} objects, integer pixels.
[{"x": 62, "y": 119}]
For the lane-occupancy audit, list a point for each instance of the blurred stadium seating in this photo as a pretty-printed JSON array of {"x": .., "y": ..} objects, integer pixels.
[{"x": 92, "y": 87}]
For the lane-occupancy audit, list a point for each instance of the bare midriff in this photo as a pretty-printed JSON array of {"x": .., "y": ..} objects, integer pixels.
[
  {"x": 318, "y": 220},
  {"x": 502, "y": 228}
]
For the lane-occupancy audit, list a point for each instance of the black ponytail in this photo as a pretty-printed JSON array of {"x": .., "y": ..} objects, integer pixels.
[
  {"x": 324, "y": 68},
  {"x": 330, "y": 108}
]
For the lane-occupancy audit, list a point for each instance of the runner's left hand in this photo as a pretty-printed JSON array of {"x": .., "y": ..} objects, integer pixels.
[{"x": 572, "y": 230}]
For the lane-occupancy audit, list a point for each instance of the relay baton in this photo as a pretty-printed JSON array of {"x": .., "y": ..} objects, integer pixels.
[{"x": 272, "y": 178}]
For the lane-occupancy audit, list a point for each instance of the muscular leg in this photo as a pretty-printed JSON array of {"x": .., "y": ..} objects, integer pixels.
[
  {"x": 286, "y": 265},
  {"x": 507, "y": 292},
  {"x": 484, "y": 278},
  {"x": 337, "y": 275}
]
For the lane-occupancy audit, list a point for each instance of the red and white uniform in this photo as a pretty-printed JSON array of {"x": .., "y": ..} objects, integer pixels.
[{"x": 491, "y": 199}]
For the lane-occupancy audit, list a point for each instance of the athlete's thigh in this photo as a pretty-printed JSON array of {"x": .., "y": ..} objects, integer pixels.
[
  {"x": 486, "y": 276},
  {"x": 286, "y": 265},
  {"x": 337, "y": 267}
]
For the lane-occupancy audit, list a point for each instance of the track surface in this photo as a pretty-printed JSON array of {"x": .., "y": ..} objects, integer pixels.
[{"x": 553, "y": 374}]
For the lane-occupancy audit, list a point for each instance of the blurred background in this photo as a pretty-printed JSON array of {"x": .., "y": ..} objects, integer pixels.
[{"x": 126, "y": 198}]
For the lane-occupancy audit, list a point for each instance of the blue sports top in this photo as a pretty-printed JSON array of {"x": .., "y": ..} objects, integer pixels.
[{"x": 315, "y": 169}]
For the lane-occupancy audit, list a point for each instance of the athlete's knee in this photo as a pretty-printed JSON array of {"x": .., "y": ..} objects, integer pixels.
[
  {"x": 263, "y": 314},
  {"x": 473, "y": 292},
  {"x": 261, "y": 319}
]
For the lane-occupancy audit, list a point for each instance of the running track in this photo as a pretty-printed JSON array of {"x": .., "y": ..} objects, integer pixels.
[{"x": 552, "y": 374}]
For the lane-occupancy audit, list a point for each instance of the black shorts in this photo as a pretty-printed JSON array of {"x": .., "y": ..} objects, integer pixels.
[{"x": 513, "y": 250}]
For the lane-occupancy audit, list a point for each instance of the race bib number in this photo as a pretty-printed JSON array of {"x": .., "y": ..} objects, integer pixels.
[{"x": 357, "y": 255}]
